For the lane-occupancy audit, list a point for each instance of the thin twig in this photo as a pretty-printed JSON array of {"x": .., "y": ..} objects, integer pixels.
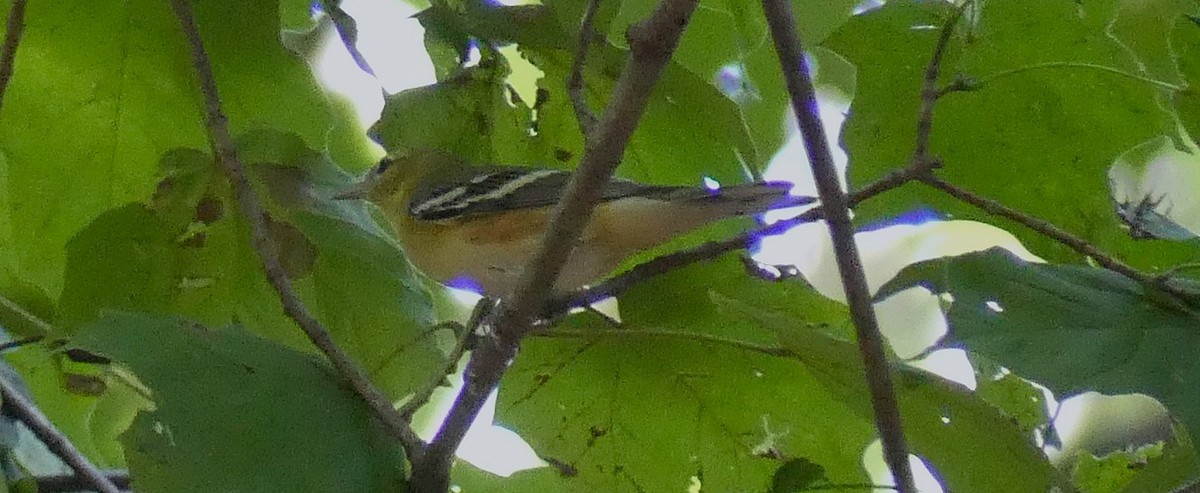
[
  {"x": 1041, "y": 227},
  {"x": 13, "y": 30},
  {"x": 252, "y": 211},
  {"x": 930, "y": 93},
  {"x": 16, "y": 343},
  {"x": 651, "y": 43},
  {"x": 592, "y": 334},
  {"x": 421, "y": 397},
  {"x": 56, "y": 441},
  {"x": 782, "y": 24},
  {"x": 917, "y": 168},
  {"x": 587, "y": 120},
  {"x": 70, "y": 483},
  {"x": 982, "y": 81}
]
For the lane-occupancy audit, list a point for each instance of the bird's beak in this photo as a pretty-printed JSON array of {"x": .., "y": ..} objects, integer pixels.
[{"x": 357, "y": 191}]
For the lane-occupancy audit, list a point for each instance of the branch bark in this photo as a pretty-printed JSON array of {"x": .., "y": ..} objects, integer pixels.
[
  {"x": 73, "y": 483},
  {"x": 14, "y": 28},
  {"x": 55, "y": 440},
  {"x": 782, "y": 24},
  {"x": 222, "y": 145},
  {"x": 587, "y": 120},
  {"x": 651, "y": 43}
]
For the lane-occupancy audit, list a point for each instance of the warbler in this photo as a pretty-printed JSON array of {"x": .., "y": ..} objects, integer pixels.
[{"x": 478, "y": 226}]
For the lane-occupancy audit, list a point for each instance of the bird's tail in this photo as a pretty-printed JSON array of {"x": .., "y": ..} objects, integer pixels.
[{"x": 747, "y": 199}]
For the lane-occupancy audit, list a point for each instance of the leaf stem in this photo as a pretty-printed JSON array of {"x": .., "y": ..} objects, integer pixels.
[
  {"x": 593, "y": 334},
  {"x": 983, "y": 81},
  {"x": 29, "y": 317}
]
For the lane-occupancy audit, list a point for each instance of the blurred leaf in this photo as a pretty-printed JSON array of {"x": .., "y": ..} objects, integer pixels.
[
  {"x": 124, "y": 93},
  {"x": 1110, "y": 474},
  {"x": 796, "y": 475},
  {"x": 970, "y": 444},
  {"x": 727, "y": 44},
  {"x": 201, "y": 377},
  {"x": 669, "y": 396},
  {"x": 988, "y": 137},
  {"x": 1176, "y": 467},
  {"x": 1185, "y": 40},
  {"x": 1026, "y": 316},
  {"x": 467, "y": 114},
  {"x": 347, "y": 29},
  {"x": 736, "y": 411},
  {"x": 1016, "y": 397},
  {"x": 1153, "y": 191},
  {"x": 684, "y": 107},
  {"x": 296, "y": 15},
  {"x": 75, "y": 414},
  {"x": 353, "y": 278}
]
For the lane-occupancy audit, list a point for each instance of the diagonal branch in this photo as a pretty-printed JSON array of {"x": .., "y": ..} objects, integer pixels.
[
  {"x": 1042, "y": 227},
  {"x": 13, "y": 30},
  {"x": 651, "y": 43},
  {"x": 782, "y": 24},
  {"x": 252, "y": 211},
  {"x": 920, "y": 166},
  {"x": 587, "y": 29},
  {"x": 55, "y": 440}
]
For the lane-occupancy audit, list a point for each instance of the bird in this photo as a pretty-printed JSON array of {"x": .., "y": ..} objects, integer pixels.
[{"x": 476, "y": 227}]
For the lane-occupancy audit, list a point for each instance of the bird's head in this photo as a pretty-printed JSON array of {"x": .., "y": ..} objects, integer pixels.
[{"x": 398, "y": 173}]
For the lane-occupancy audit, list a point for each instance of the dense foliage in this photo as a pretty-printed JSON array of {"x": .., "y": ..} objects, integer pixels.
[{"x": 117, "y": 229}]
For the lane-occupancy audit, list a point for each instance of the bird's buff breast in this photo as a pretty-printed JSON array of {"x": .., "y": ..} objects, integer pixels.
[{"x": 489, "y": 254}]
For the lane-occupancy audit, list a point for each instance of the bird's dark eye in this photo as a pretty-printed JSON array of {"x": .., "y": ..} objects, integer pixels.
[{"x": 383, "y": 165}]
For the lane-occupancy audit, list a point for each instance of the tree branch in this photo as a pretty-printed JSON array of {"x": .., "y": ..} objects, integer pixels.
[
  {"x": 1041, "y": 227},
  {"x": 619, "y": 284},
  {"x": 782, "y": 24},
  {"x": 252, "y": 211},
  {"x": 482, "y": 308},
  {"x": 587, "y": 120},
  {"x": 651, "y": 43},
  {"x": 931, "y": 93},
  {"x": 13, "y": 30},
  {"x": 55, "y": 440},
  {"x": 72, "y": 483}
]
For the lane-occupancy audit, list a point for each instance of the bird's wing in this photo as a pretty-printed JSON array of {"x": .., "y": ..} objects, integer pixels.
[{"x": 490, "y": 191}]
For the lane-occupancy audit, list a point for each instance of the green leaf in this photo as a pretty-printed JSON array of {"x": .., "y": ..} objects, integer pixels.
[
  {"x": 1176, "y": 467},
  {"x": 700, "y": 343},
  {"x": 796, "y": 475},
  {"x": 727, "y": 42},
  {"x": 1185, "y": 40},
  {"x": 1113, "y": 471},
  {"x": 1147, "y": 182},
  {"x": 1026, "y": 316},
  {"x": 189, "y": 254},
  {"x": 1028, "y": 135},
  {"x": 681, "y": 393},
  {"x": 91, "y": 420},
  {"x": 683, "y": 108},
  {"x": 234, "y": 412},
  {"x": 971, "y": 445},
  {"x": 124, "y": 93}
]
